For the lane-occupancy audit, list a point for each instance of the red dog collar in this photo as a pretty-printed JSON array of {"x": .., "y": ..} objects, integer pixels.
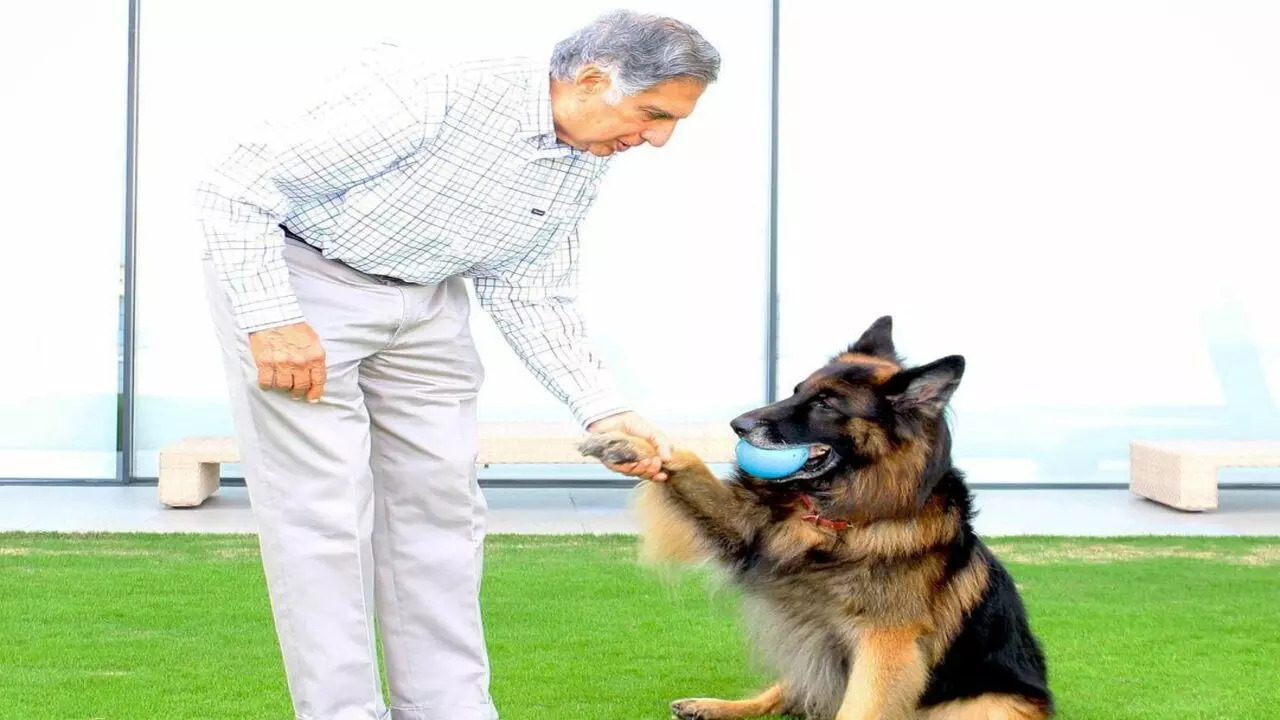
[{"x": 817, "y": 519}]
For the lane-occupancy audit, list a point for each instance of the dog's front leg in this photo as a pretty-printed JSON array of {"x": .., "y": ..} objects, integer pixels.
[
  {"x": 691, "y": 514},
  {"x": 888, "y": 676}
]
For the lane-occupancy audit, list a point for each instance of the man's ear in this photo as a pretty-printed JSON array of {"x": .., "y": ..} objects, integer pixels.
[
  {"x": 928, "y": 388},
  {"x": 877, "y": 340},
  {"x": 592, "y": 80}
]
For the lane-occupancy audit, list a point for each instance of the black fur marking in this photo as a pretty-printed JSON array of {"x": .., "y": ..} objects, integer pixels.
[{"x": 995, "y": 651}]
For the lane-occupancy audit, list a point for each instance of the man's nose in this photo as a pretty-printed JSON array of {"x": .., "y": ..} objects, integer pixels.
[{"x": 658, "y": 136}]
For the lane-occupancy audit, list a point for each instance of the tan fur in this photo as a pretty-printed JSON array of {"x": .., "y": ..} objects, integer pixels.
[
  {"x": 889, "y": 674},
  {"x": 768, "y": 702},
  {"x": 986, "y": 707},
  {"x": 667, "y": 535},
  {"x": 884, "y": 490},
  {"x": 952, "y": 603},
  {"x": 901, "y": 538},
  {"x": 882, "y": 369}
]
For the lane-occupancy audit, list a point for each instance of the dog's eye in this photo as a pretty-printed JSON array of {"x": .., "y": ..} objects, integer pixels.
[{"x": 827, "y": 403}]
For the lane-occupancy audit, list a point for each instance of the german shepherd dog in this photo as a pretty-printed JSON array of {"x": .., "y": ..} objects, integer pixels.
[{"x": 870, "y": 595}]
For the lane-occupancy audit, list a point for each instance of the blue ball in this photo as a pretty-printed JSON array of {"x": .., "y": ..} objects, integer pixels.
[{"x": 769, "y": 463}]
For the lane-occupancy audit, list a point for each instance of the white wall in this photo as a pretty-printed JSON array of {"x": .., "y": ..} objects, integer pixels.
[
  {"x": 681, "y": 329},
  {"x": 62, "y": 197},
  {"x": 1079, "y": 197}
]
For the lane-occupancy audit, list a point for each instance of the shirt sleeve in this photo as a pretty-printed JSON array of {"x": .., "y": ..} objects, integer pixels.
[
  {"x": 378, "y": 111},
  {"x": 536, "y": 312}
]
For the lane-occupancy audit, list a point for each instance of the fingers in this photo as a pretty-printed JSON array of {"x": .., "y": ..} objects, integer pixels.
[
  {"x": 274, "y": 371},
  {"x": 657, "y": 474},
  {"x": 266, "y": 374},
  {"x": 653, "y": 469},
  {"x": 308, "y": 380},
  {"x": 301, "y": 383},
  {"x": 318, "y": 377},
  {"x": 648, "y": 468},
  {"x": 290, "y": 359},
  {"x": 290, "y": 373}
]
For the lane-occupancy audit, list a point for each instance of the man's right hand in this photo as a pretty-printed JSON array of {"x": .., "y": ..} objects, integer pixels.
[{"x": 290, "y": 358}]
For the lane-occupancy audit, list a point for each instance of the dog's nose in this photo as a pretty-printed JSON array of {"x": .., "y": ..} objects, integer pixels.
[{"x": 743, "y": 424}]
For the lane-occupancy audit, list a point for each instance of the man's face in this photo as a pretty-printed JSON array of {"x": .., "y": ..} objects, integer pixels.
[{"x": 591, "y": 123}]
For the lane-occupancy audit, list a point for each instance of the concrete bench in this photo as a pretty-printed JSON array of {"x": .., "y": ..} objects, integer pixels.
[
  {"x": 1184, "y": 475},
  {"x": 190, "y": 469}
]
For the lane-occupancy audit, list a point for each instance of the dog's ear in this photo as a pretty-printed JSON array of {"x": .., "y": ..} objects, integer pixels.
[
  {"x": 926, "y": 389},
  {"x": 877, "y": 340}
]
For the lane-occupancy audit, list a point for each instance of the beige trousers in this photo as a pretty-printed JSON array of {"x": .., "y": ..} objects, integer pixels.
[{"x": 366, "y": 503}]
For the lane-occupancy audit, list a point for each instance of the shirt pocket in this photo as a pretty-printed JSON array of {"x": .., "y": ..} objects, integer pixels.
[{"x": 525, "y": 215}]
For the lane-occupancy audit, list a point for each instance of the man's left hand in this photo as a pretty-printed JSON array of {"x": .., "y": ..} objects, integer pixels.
[{"x": 632, "y": 424}]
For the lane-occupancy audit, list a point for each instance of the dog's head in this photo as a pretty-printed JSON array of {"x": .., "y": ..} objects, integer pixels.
[{"x": 861, "y": 409}]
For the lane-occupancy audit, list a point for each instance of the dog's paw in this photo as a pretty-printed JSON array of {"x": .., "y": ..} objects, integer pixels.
[
  {"x": 617, "y": 448},
  {"x": 695, "y": 709},
  {"x": 692, "y": 709},
  {"x": 702, "y": 709}
]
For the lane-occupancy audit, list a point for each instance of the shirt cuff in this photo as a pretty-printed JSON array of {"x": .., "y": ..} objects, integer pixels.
[
  {"x": 596, "y": 404},
  {"x": 277, "y": 314}
]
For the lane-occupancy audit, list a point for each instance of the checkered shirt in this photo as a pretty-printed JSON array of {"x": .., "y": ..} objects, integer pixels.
[{"x": 419, "y": 173}]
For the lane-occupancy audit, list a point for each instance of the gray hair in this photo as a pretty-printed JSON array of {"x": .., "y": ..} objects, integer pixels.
[{"x": 638, "y": 51}]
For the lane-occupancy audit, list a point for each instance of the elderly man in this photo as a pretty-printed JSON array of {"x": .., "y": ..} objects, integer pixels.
[{"x": 337, "y": 249}]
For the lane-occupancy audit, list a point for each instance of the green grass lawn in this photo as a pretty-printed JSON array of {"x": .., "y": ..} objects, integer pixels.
[{"x": 129, "y": 627}]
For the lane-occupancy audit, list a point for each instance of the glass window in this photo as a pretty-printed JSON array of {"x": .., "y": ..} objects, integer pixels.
[
  {"x": 1079, "y": 199},
  {"x": 63, "y": 188},
  {"x": 674, "y": 250}
]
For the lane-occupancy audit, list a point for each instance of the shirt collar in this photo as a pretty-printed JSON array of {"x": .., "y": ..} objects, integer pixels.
[{"x": 537, "y": 125}]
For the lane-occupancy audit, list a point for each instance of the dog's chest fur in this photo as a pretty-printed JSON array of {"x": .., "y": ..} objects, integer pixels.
[
  {"x": 802, "y": 648},
  {"x": 805, "y": 611}
]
